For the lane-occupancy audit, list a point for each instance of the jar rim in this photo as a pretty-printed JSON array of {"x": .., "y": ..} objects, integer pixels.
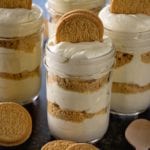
[{"x": 124, "y": 32}]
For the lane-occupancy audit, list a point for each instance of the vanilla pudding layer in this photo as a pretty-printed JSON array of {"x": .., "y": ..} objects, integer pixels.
[
  {"x": 16, "y": 61},
  {"x": 90, "y": 102},
  {"x": 135, "y": 72},
  {"x": 63, "y": 6},
  {"x": 85, "y": 131},
  {"x": 19, "y": 91},
  {"x": 130, "y": 103}
]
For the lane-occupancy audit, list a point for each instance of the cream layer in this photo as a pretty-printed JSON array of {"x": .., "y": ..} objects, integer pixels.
[
  {"x": 88, "y": 130},
  {"x": 13, "y": 61},
  {"x": 20, "y": 91},
  {"x": 130, "y": 103},
  {"x": 135, "y": 72},
  {"x": 89, "y": 102}
]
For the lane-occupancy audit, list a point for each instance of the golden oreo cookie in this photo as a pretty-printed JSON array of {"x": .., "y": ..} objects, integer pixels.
[
  {"x": 57, "y": 145},
  {"x": 79, "y": 26},
  {"x": 82, "y": 146},
  {"x": 27, "y": 4},
  {"x": 130, "y": 6},
  {"x": 15, "y": 124}
]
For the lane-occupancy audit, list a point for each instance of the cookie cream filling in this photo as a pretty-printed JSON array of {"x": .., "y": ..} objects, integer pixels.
[
  {"x": 138, "y": 76},
  {"x": 19, "y": 22},
  {"x": 63, "y": 6},
  {"x": 87, "y": 102},
  {"x": 19, "y": 91},
  {"x": 124, "y": 22},
  {"x": 130, "y": 103},
  {"x": 80, "y": 132},
  {"x": 12, "y": 61}
]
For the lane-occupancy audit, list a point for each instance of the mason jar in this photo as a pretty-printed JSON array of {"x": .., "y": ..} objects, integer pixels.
[
  {"x": 20, "y": 54},
  {"x": 131, "y": 75},
  {"x": 56, "y": 8},
  {"x": 78, "y": 93}
]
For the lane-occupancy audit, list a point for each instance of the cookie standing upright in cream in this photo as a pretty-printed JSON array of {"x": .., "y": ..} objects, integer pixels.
[
  {"x": 20, "y": 53},
  {"x": 130, "y": 33},
  {"x": 79, "y": 78},
  {"x": 56, "y": 8}
]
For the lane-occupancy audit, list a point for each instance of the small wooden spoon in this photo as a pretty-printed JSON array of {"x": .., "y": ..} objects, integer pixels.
[{"x": 138, "y": 134}]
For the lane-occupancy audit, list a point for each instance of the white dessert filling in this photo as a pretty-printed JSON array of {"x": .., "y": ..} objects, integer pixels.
[
  {"x": 87, "y": 59},
  {"x": 63, "y": 6},
  {"x": 124, "y": 22},
  {"x": 20, "y": 22},
  {"x": 16, "y": 61},
  {"x": 130, "y": 103},
  {"x": 135, "y": 72},
  {"x": 90, "y": 102},
  {"x": 82, "y": 50},
  {"x": 20, "y": 91},
  {"x": 88, "y": 130}
]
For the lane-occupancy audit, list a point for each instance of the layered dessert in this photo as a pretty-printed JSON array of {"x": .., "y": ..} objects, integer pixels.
[
  {"x": 56, "y": 8},
  {"x": 130, "y": 33},
  {"x": 20, "y": 53},
  {"x": 79, "y": 78}
]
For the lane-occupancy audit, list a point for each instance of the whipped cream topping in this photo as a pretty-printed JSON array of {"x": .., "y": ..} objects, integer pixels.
[
  {"x": 124, "y": 22},
  {"x": 80, "y": 59},
  {"x": 20, "y": 22},
  {"x": 82, "y": 50},
  {"x": 63, "y": 6}
]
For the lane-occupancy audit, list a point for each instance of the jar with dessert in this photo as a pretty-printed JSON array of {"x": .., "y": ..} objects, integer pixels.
[
  {"x": 129, "y": 29},
  {"x": 79, "y": 65},
  {"x": 57, "y": 8},
  {"x": 20, "y": 51}
]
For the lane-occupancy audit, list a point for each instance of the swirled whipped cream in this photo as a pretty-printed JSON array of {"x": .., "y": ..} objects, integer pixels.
[
  {"x": 82, "y": 50},
  {"x": 124, "y": 22},
  {"x": 63, "y": 6},
  {"x": 19, "y": 22},
  {"x": 80, "y": 59}
]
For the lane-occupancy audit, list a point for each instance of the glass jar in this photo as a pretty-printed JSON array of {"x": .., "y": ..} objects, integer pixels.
[
  {"x": 78, "y": 95},
  {"x": 131, "y": 76},
  {"x": 56, "y": 8},
  {"x": 130, "y": 34},
  {"x": 20, "y": 54}
]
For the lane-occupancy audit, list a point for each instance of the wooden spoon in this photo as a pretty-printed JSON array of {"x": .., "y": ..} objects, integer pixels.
[{"x": 138, "y": 134}]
